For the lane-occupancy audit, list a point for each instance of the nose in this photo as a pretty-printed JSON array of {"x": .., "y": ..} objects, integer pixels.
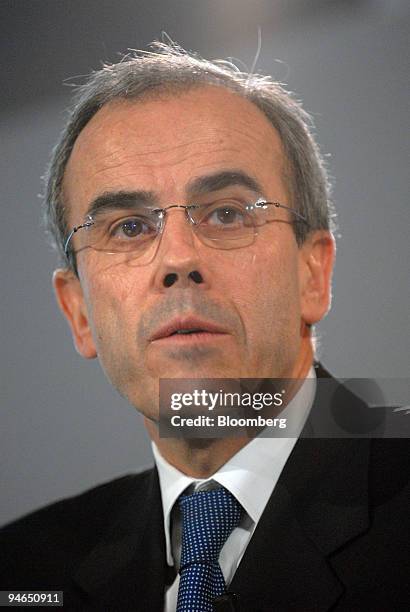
[{"x": 179, "y": 262}]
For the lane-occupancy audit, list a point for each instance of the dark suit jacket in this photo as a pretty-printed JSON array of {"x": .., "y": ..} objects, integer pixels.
[{"x": 334, "y": 536}]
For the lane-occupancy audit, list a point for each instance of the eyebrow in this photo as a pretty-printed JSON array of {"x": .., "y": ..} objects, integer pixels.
[
  {"x": 221, "y": 180},
  {"x": 121, "y": 200}
]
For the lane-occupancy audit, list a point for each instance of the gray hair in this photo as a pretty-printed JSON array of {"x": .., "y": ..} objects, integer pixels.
[{"x": 169, "y": 68}]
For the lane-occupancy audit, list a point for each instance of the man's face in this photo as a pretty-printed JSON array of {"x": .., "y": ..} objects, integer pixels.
[{"x": 250, "y": 301}]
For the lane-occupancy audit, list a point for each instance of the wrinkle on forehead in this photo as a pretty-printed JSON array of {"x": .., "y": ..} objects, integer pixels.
[
  {"x": 168, "y": 151},
  {"x": 112, "y": 125},
  {"x": 200, "y": 128}
]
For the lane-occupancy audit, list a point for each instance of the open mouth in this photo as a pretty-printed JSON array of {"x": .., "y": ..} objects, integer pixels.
[
  {"x": 192, "y": 335},
  {"x": 188, "y": 331},
  {"x": 188, "y": 328}
]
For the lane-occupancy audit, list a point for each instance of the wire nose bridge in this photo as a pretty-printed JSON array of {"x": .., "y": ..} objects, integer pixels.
[
  {"x": 163, "y": 214},
  {"x": 185, "y": 207}
]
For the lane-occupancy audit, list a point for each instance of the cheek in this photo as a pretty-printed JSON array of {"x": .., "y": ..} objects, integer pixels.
[
  {"x": 268, "y": 297},
  {"x": 113, "y": 314}
]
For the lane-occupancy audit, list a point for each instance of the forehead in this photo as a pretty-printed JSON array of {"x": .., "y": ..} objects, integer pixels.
[{"x": 162, "y": 144}]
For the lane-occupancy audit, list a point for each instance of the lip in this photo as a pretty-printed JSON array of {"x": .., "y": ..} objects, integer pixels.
[{"x": 208, "y": 329}]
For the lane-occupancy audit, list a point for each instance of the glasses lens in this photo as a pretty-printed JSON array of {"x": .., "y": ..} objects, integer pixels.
[
  {"x": 225, "y": 224},
  {"x": 113, "y": 234}
]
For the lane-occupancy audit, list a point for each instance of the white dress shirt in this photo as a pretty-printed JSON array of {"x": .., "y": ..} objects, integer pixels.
[{"x": 250, "y": 475}]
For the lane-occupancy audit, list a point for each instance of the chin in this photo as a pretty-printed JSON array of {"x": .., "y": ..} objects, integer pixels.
[{"x": 195, "y": 368}]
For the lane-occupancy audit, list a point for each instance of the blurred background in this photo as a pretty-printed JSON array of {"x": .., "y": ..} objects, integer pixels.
[{"x": 63, "y": 428}]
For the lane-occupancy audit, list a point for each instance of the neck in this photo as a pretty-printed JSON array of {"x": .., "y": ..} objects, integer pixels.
[
  {"x": 202, "y": 457},
  {"x": 199, "y": 457}
]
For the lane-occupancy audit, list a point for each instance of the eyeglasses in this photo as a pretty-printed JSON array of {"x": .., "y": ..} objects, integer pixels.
[{"x": 223, "y": 224}]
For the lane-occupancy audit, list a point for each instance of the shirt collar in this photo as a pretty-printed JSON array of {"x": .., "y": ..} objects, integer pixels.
[{"x": 251, "y": 474}]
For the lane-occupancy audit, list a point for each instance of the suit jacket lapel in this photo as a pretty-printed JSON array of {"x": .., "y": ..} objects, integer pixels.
[
  {"x": 318, "y": 505},
  {"x": 127, "y": 569}
]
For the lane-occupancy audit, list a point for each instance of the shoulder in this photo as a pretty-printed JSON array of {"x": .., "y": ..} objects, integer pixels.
[
  {"x": 380, "y": 556},
  {"x": 74, "y": 513},
  {"x": 389, "y": 475},
  {"x": 55, "y": 537}
]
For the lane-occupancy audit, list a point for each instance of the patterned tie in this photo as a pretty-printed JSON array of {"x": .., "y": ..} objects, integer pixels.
[{"x": 208, "y": 518}]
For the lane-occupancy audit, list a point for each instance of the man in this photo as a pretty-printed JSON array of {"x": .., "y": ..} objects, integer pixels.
[{"x": 191, "y": 207}]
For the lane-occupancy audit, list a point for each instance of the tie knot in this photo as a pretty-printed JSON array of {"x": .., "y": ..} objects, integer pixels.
[{"x": 208, "y": 519}]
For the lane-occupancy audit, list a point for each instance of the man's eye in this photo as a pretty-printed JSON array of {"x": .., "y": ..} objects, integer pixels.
[
  {"x": 226, "y": 215},
  {"x": 134, "y": 227}
]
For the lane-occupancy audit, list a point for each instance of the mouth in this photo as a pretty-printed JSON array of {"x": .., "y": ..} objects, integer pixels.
[{"x": 188, "y": 330}]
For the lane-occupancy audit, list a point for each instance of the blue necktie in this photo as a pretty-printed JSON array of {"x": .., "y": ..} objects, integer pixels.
[{"x": 208, "y": 518}]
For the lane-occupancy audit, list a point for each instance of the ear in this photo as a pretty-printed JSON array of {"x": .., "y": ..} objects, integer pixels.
[
  {"x": 317, "y": 255},
  {"x": 70, "y": 298}
]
